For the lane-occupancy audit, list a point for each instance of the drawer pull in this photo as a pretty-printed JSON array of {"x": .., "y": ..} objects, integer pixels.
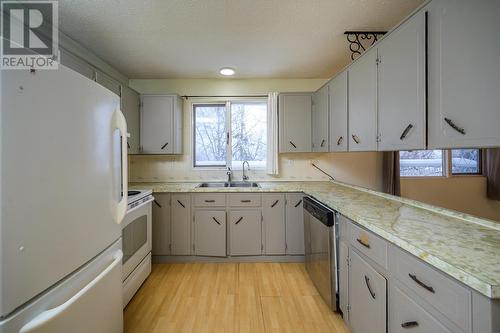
[
  {"x": 409, "y": 324},
  {"x": 421, "y": 284},
  {"x": 367, "y": 280},
  {"x": 163, "y": 147},
  {"x": 405, "y": 132},
  {"x": 322, "y": 143},
  {"x": 339, "y": 141},
  {"x": 216, "y": 220},
  {"x": 239, "y": 220},
  {"x": 211, "y": 200},
  {"x": 157, "y": 203},
  {"x": 363, "y": 243},
  {"x": 355, "y": 138},
  {"x": 180, "y": 203},
  {"x": 246, "y": 200},
  {"x": 293, "y": 144},
  {"x": 298, "y": 203},
  {"x": 274, "y": 204},
  {"x": 454, "y": 126}
]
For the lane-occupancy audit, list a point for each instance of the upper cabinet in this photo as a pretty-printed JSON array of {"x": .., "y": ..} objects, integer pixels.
[
  {"x": 295, "y": 123},
  {"x": 464, "y": 75},
  {"x": 401, "y": 87},
  {"x": 108, "y": 82},
  {"x": 338, "y": 112},
  {"x": 130, "y": 107},
  {"x": 319, "y": 120},
  {"x": 363, "y": 103},
  {"x": 161, "y": 124}
]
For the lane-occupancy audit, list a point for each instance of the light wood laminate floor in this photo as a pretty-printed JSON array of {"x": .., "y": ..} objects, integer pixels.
[{"x": 230, "y": 297}]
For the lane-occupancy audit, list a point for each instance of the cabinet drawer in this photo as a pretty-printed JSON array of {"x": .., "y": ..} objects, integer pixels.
[
  {"x": 370, "y": 245},
  {"x": 443, "y": 293},
  {"x": 210, "y": 200},
  {"x": 245, "y": 200},
  {"x": 406, "y": 315}
]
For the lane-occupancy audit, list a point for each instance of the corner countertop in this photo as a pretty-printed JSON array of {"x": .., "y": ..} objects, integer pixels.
[{"x": 465, "y": 247}]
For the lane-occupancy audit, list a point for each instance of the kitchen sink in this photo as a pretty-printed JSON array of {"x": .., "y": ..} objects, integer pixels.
[{"x": 226, "y": 184}]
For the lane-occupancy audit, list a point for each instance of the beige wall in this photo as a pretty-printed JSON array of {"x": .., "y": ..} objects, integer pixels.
[
  {"x": 462, "y": 193},
  {"x": 362, "y": 169}
]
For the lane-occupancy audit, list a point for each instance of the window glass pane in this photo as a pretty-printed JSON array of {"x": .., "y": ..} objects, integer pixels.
[
  {"x": 210, "y": 135},
  {"x": 418, "y": 163},
  {"x": 465, "y": 161},
  {"x": 249, "y": 133}
]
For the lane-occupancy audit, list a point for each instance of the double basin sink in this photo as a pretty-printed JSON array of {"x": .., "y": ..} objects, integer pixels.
[{"x": 228, "y": 184}]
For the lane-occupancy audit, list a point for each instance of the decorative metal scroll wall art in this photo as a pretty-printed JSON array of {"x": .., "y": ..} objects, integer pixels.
[{"x": 359, "y": 41}]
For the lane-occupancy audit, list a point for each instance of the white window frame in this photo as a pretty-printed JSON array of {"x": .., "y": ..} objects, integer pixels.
[{"x": 228, "y": 129}]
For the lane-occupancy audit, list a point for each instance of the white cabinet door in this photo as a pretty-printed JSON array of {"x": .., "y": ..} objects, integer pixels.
[
  {"x": 210, "y": 233},
  {"x": 181, "y": 224},
  {"x": 295, "y": 123},
  {"x": 463, "y": 73},
  {"x": 245, "y": 229},
  {"x": 319, "y": 119},
  {"x": 108, "y": 82},
  {"x": 338, "y": 113},
  {"x": 161, "y": 224},
  {"x": 343, "y": 279},
  {"x": 77, "y": 64},
  {"x": 367, "y": 297},
  {"x": 401, "y": 87},
  {"x": 273, "y": 213},
  {"x": 157, "y": 119},
  {"x": 130, "y": 108},
  {"x": 363, "y": 103},
  {"x": 294, "y": 224}
]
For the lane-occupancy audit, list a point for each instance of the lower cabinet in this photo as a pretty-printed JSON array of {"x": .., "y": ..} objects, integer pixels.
[
  {"x": 273, "y": 217},
  {"x": 245, "y": 232},
  {"x": 210, "y": 233},
  {"x": 161, "y": 224},
  {"x": 181, "y": 224},
  {"x": 294, "y": 224},
  {"x": 367, "y": 295}
]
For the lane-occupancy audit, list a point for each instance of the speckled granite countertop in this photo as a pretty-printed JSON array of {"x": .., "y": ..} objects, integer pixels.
[{"x": 463, "y": 246}]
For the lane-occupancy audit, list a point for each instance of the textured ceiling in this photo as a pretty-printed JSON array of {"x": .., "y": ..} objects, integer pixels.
[{"x": 194, "y": 38}]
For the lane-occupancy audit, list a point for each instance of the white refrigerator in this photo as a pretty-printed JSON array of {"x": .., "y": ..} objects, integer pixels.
[{"x": 63, "y": 167}]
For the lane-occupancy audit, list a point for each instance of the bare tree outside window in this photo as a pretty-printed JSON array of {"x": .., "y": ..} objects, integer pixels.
[
  {"x": 209, "y": 135},
  {"x": 419, "y": 163}
]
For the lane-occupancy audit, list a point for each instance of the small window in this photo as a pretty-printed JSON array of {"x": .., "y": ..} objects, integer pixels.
[
  {"x": 465, "y": 161},
  {"x": 421, "y": 163},
  {"x": 209, "y": 135}
]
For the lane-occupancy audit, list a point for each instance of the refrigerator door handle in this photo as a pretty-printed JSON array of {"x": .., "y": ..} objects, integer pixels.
[
  {"x": 48, "y": 315},
  {"x": 119, "y": 123}
]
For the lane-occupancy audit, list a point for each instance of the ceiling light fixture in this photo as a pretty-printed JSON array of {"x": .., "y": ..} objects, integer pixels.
[{"x": 227, "y": 71}]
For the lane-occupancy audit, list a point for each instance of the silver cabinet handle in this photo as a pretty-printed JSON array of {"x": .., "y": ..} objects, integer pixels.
[
  {"x": 322, "y": 143},
  {"x": 339, "y": 141},
  {"x": 406, "y": 131},
  {"x": 180, "y": 203},
  {"x": 421, "y": 284},
  {"x": 239, "y": 220},
  {"x": 363, "y": 243},
  {"x": 293, "y": 144},
  {"x": 355, "y": 138},
  {"x": 274, "y": 204},
  {"x": 163, "y": 147},
  {"x": 216, "y": 220},
  {"x": 157, "y": 203},
  {"x": 298, "y": 203},
  {"x": 209, "y": 200},
  {"x": 454, "y": 126},
  {"x": 409, "y": 324},
  {"x": 246, "y": 200},
  {"x": 367, "y": 281}
]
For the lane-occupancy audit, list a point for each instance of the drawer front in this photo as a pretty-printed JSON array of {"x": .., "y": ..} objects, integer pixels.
[
  {"x": 443, "y": 293},
  {"x": 245, "y": 200},
  {"x": 405, "y": 315},
  {"x": 210, "y": 200},
  {"x": 370, "y": 245}
]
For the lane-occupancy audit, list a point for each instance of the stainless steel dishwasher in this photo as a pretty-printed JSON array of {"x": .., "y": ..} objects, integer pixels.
[{"x": 320, "y": 241}]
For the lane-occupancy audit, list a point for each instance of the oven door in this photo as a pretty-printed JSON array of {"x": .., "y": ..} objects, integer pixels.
[{"x": 136, "y": 237}]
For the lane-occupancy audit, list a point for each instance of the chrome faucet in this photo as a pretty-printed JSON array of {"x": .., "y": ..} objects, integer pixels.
[
  {"x": 229, "y": 174},
  {"x": 245, "y": 176}
]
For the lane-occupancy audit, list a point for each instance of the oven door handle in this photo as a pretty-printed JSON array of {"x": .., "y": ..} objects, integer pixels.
[{"x": 139, "y": 206}]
